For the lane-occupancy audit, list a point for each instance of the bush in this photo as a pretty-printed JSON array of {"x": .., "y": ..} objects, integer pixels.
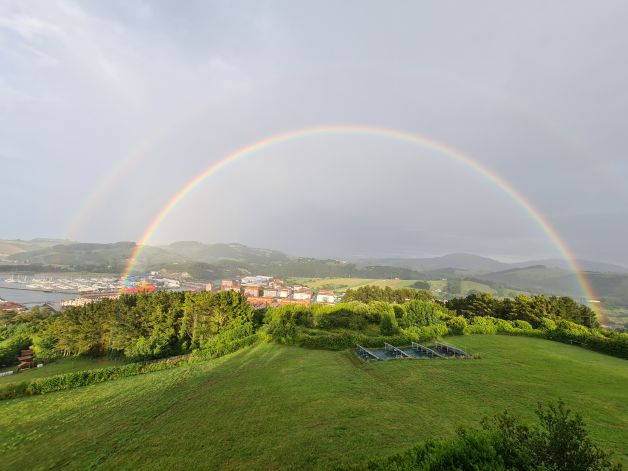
[
  {"x": 481, "y": 325},
  {"x": 523, "y": 325},
  {"x": 11, "y": 347},
  {"x": 547, "y": 324},
  {"x": 428, "y": 332},
  {"x": 388, "y": 324},
  {"x": 559, "y": 442},
  {"x": 457, "y": 325}
]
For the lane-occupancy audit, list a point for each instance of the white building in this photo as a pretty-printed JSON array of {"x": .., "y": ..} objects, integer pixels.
[{"x": 325, "y": 296}]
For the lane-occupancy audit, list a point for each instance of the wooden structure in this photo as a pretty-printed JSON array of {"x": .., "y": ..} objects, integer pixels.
[{"x": 25, "y": 359}]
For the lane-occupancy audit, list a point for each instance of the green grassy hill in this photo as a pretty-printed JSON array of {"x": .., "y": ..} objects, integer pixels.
[{"x": 277, "y": 407}]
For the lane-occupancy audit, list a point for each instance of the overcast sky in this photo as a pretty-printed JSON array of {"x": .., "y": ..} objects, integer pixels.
[{"x": 107, "y": 108}]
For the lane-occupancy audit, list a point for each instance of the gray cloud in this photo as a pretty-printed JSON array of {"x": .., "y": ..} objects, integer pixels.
[{"x": 535, "y": 91}]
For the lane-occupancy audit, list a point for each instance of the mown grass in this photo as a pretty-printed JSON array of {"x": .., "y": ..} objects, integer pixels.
[
  {"x": 277, "y": 407},
  {"x": 65, "y": 365}
]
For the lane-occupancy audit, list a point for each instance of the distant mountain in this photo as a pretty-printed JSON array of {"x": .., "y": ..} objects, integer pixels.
[
  {"x": 479, "y": 264},
  {"x": 12, "y": 247},
  {"x": 212, "y": 253},
  {"x": 81, "y": 256},
  {"x": 586, "y": 265}
]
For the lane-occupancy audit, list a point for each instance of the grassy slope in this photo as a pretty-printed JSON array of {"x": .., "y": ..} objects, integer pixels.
[
  {"x": 65, "y": 365},
  {"x": 278, "y": 407}
]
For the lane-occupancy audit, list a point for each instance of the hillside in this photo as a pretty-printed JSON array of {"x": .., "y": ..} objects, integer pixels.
[
  {"x": 285, "y": 407},
  {"x": 212, "y": 253},
  {"x": 12, "y": 247}
]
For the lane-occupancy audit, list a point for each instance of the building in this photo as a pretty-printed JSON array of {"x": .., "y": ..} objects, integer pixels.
[
  {"x": 11, "y": 306},
  {"x": 229, "y": 285},
  {"x": 209, "y": 287},
  {"x": 85, "y": 300},
  {"x": 268, "y": 292},
  {"x": 302, "y": 302},
  {"x": 284, "y": 292},
  {"x": 325, "y": 296},
  {"x": 258, "y": 303},
  {"x": 257, "y": 280},
  {"x": 252, "y": 291},
  {"x": 302, "y": 293}
]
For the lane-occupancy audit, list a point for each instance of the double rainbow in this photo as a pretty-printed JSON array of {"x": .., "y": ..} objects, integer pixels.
[{"x": 352, "y": 129}]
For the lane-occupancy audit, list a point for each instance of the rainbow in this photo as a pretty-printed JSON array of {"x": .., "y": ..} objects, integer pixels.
[{"x": 352, "y": 129}]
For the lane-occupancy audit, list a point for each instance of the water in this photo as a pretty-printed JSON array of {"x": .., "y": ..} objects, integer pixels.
[{"x": 31, "y": 298}]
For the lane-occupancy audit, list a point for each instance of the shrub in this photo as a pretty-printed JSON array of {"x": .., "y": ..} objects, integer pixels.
[
  {"x": 504, "y": 327},
  {"x": 523, "y": 325},
  {"x": 428, "y": 332},
  {"x": 11, "y": 347},
  {"x": 379, "y": 309},
  {"x": 481, "y": 325},
  {"x": 388, "y": 324},
  {"x": 457, "y": 325},
  {"x": 559, "y": 442},
  {"x": 547, "y": 324}
]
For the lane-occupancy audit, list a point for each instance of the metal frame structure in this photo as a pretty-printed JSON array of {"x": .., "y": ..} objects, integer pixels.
[
  {"x": 398, "y": 351},
  {"x": 363, "y": 352},
  {"x": 450, "y": 348},
  {"x": 426, "y": 350}
]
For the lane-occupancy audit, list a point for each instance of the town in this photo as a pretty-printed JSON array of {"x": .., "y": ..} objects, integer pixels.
[{"x": 260, "y": 290}]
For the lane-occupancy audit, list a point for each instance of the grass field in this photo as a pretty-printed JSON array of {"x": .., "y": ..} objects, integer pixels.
[
  {"x": 278, "y": 407},
  {"x": 65, "y": 365},
  {"x": 438, "y": 287},
  {"x": 342, "y": 284}
]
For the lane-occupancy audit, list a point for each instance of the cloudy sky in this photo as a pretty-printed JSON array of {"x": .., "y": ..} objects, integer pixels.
[{"x": 108, "y": 108}]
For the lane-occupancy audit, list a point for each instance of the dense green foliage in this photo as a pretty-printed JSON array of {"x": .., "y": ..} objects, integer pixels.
[
  {"x": 531, "y": 309},
  {"x": 559, "y": 442},
  {"x": 146, "y": 326},
  {"x": 370, "y": 293}
]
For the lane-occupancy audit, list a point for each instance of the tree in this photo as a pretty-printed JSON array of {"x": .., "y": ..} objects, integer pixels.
[{"x": 420, "y": 313}]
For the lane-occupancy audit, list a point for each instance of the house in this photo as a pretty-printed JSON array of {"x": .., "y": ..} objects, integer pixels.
[
  {"x": 11, "y": 306},
  {"x": 229, "y": 285},
  {"x": 284, "y": 292},
  {"x": 258, "y": 303},
  {"x": 209, "y": 287},
  {"x": 269, "y": 292},
  {"x": 251, "y": 291},
  {"x": 301, "y": 293},
  {"x": 257, "y": 280},
  {"x": 303, "y": 302},
  {"x": 325, "y": 296}
]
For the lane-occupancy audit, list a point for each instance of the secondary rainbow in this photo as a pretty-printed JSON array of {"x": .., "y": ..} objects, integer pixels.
[{"x": 348, "y": 129}]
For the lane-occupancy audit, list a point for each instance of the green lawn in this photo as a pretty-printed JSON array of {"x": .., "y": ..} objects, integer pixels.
[
  {"x": 65, "y": 365},
  {"x": 274, "y": 407}
]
